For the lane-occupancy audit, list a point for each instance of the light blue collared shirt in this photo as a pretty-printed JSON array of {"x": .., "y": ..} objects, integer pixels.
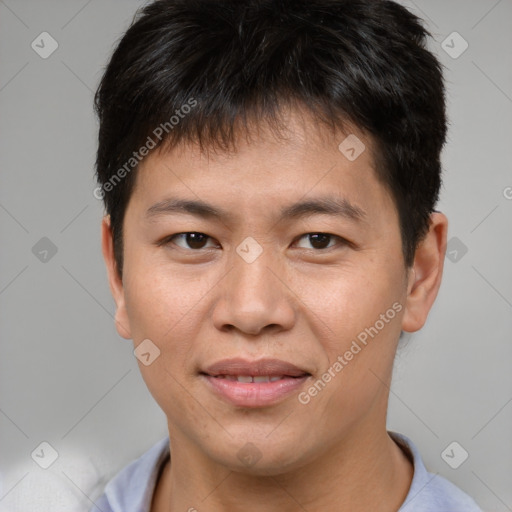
[{"x": 131, "y": 490}]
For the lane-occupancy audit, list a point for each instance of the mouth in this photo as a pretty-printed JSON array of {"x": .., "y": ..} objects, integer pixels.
[
  {"x": 252, "y": 378},
  {"x": 254, "y": 383}
]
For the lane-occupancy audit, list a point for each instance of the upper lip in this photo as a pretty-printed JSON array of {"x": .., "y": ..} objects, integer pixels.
[{"x": 239, "y": 366}]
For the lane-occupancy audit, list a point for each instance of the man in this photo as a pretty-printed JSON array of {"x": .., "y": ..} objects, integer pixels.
[{"x": 270, "y": 171}]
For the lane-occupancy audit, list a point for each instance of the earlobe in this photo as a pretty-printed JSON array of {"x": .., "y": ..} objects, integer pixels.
[
  {"x": 115, "y": 282},
  {"x": 425, "y": 274}
]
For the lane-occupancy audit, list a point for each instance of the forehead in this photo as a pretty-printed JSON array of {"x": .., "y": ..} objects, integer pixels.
[{"x": 304, "y": 160}]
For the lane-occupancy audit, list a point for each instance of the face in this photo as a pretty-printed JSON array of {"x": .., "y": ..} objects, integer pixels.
[{"x": 281, "y": 261}]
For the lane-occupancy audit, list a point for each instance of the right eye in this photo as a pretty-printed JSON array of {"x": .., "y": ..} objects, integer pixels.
[{"x": 189, "y": 240}]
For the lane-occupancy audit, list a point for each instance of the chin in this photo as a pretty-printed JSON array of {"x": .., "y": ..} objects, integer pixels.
[{"x": 259, "y": 456}]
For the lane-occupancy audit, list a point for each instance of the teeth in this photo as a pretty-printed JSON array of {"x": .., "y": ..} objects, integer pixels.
[
  {"x": 261, "y": 378},
  {"x": 250, "y": 378}
]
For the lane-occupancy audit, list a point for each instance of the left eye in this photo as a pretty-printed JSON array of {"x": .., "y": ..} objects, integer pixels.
[{"x": 319, "y": 240}]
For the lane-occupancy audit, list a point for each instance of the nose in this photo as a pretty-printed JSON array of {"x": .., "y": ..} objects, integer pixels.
[{"x": 253, "y": 298}]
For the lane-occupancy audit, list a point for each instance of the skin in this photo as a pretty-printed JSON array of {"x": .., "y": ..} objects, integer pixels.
[{"x": 295, "y": 302}]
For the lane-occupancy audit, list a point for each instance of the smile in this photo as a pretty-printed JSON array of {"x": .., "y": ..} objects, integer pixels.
[
  {"x": 251, "y": 378},
  {"x": 253, "y": 391}
]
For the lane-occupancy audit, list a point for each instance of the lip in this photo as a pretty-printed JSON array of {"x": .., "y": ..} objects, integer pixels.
[
  {"x": 254, "y": 394},
  {"x": 239, "y": 366}
]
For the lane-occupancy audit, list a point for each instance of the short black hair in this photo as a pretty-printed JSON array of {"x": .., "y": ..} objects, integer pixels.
[{"x": 198, "y": 70}]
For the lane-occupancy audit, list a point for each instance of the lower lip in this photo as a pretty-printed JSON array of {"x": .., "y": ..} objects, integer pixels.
[{"x": 255, "y": 394}]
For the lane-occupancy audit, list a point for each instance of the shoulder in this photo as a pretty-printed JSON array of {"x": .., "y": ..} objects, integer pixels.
[
  {"x": 132, "y": 488},
  {"x": 430, "y": 492}
]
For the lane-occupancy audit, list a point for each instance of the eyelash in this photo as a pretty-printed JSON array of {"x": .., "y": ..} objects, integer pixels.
[{"x": 168, "y": 240}]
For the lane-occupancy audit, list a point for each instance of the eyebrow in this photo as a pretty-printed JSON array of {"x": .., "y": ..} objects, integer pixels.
[{"x": 335, "y": 206}]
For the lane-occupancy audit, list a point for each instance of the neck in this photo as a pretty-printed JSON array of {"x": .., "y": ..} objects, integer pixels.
[{"x": 365, "y": 471}]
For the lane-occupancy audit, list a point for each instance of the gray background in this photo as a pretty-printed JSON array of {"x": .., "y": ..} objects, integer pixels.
[{"x": 67, "y": 378}]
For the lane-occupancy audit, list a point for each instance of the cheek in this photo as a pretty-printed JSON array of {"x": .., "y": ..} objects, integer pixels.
[
  {"x": 359, "y": 313},
  {"x": 343, "y": 302},
  {"x": 360, "y": 354},
  {"x": 164, "y": 307},
  {"x": 162, "y": 301}
]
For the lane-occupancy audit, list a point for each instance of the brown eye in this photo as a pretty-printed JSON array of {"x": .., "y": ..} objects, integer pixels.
[
  {"x": 319, "y": 240},
  {"x": 190, "y": 240}
]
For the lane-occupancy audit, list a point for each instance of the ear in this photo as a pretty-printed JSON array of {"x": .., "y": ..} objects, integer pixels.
[
  {"x": 425, "y": 274},
  {"x": 115, "y": 282}
]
